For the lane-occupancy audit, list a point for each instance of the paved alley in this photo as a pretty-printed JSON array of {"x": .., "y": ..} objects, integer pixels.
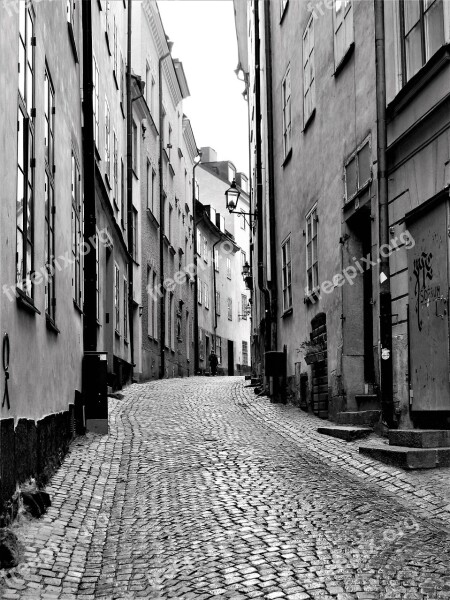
[{"x": 202, "y": 490}]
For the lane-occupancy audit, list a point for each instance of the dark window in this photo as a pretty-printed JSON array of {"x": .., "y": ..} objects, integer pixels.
[{"x": 76, "y": 233}]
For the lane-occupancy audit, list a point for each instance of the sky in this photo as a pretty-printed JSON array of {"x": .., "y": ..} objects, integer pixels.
[{"x": 204, "y": 39}]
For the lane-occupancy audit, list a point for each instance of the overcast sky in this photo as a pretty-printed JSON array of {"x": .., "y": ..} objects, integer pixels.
[{"x": 205, "y": 41}]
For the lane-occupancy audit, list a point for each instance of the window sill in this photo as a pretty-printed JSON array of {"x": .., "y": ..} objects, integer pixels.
[
  {"x": 284, "y": 12},
  {"x": 97, "y": 153},
  {"x": 108, "y": 184},
  {"x": 287, "y": 312},
  {"x": 152, "y": 218},
  {"x": 115, "y": 79},
  {"x": 125, "y": 342},
  {"x": 361, "y": 190},
  {"x": 309, "y": 120},
  {"x": 344, "y": 60},
  {"x": 72, "y": 42},
  {"x": 77, "y": 307},
  {"x": 117, "y": 333},
  {"x": 122, "y": 108},
  {"x": 287, "y": 158},
  {"x": 312, "y": 296},
  {"x": 25, "y": 302},
  {"x": 134, "y": 169},
  {"x": 51, "y": 325}
]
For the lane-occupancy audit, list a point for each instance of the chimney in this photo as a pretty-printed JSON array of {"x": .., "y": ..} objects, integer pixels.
[{"x": 208, "y": 154}]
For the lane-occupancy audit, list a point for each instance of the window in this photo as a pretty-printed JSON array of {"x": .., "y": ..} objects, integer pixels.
[
  {"x": 244, "y": 305},
  {"x": 286, "y": 104},
  {"x": 123, "y": 217},
  {"x": 201, "y": 350},
  {"x": 107, "y": 142},
  {"x": 49, "y": 188},
  {"x": 312, "y": 270},
  {"x": 230, "y": 309},
  {"x": 199, "y": 243},
  {"x": 95, "y": 100},
  {"x": 286, "y": 274},
  {"x": 107, "y": 17},
  {"x": 216, "y": 260},
  {"x": 70, "y": 12},
  {"x": 135, "y": 147},
  {"x": 170, "y": 223},
  {"x": 228, "y": 267},
  {"x": 309, "y": 83},
  {"x": 218, "y": 303},
  {"x": 206, "y": 295},
  {"x": 244, "y": 353},
  {"x": 76, "y": 233},
  {"x": 343, "y": 29},
  {"x": 122, "y": 85},
  {"x": 199, "y": 291},
  {"x": 151, "y": 176},
  {"x": 171, "y": 316},
  {"x": 205, "y": 249},
  {"x": 219, "y": 348},
  {"x": 152, "y": 312},
  {"x": 117, "y": 297},
  {"x": 358, "y": 171},
  {"x": 422, "y": 27},
  {"x": 115, "y": 72},
  {"x": 125, "y": 308},
  {"x": 97, "y": 276},
  {"x": 115, "y": 168},
  {"x": 134, "y": 226},
  {"x": 25, "y": 153}
]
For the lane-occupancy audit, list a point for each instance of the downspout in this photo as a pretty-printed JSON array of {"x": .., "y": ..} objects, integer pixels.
[
  {"x": 214, "y": 285},
  {"x": 90, "y": 230},
  {"x": 272, "y": 233},
  {"x": 259, "y": 187},
  {"x": 194, "y": 208},
  {"x": 387, "y": 404},
  {"x": 130, "y": 194},
  {"x": 162, "y": 308}
]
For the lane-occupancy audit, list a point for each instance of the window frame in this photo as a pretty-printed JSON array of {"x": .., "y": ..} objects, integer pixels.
[
  {"x": 230, "y": 308},
  {"x": 116, "y": 299},
  {"x": 286, "y": 273},
  {"x": 96, "y": 101},
  {"x": 77, "y": 234},
  {"x": 360, "y": 186},
  {"x": 309, "y": 83},
  {"x": 49, "y": 190},
  {"x": 286, "y": 107},
  {"x": 347, "y": 7},
  {"x": 312, "y": 215}
]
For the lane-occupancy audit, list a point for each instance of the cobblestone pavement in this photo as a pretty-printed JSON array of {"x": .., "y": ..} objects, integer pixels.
[{"x": 202, "y": 490}]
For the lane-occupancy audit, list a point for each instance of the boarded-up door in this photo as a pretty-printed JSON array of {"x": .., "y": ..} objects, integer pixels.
[{"x": 428, "y": 302}]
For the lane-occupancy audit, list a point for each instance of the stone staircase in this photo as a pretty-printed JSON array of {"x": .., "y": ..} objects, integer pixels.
[
  {"x": 412, "y": 449},
  {"x": 358, "y": 424}
]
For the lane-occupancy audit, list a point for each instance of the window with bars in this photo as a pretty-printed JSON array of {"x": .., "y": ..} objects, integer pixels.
[
  {"x": 49, "y": 189},
  {"x": 25, "y": 152},
  {"x": 286, "y": 274},
  {"x": 309, "y": 77},
  {"x": 77, "y": 233},
  {"x": 422, "y": 33},
  {"x": 343, "y": 29},
  {"x": 95, "y": 101},
  {"x": 115, "y": 168},
  {"x": 117, "y": 298},
  {"x": 312, "y": 265},
  {"x": 244, "y": 352},
  {"x": 286, "y": 105},
  {"x": 244, "y": 305}
]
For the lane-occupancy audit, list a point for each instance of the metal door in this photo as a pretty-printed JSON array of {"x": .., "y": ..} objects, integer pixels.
[{"x": 428, "y": 301}]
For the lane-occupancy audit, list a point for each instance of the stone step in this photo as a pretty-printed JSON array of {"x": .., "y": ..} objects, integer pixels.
[
  {"x": 408, "y": 458},
  {"x": 248, "y": 377},
  {"x": 347, "y": 433},
  {"x": 254, "y": 381},
  {"x": 362, "y": 417},
  {"x": 367, "y": 402},
  {"x": 420, "y": 438}
]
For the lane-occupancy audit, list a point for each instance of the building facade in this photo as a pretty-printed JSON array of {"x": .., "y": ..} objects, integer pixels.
[
  {"x": 222, "y": 247},
  {"x": 334, "y": 276},
  {"x": 40, "y": 210}
]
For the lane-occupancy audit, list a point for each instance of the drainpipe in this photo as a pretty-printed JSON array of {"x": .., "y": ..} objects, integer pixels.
[
  {"x": 259, "y": 187},
  {"x": 130, "y": 194},
  {"x": 215, "y": 285},
  {"x": 90, "y": 267},
  {"x": 162, "y": 308},
  {"x": 387, "y": 404},
  {"x": 271, "y": 245},
  {"x": 196, "y": 346}
]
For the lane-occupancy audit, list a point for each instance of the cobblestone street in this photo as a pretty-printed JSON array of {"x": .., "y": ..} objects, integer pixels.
[{"x": 202, "y": 490}]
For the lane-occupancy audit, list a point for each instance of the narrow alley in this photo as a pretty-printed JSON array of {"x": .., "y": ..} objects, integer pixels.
[{"x": 203, "y": 490}]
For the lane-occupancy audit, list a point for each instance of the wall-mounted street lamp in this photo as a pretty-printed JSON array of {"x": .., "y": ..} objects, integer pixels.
[
  {"x": 247, "y": 276},
  {"x": 232, "y": 197}
]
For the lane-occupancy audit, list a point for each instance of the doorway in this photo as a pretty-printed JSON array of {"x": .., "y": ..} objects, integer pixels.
[
  {"x": 230, "y": 357},
  {"x": 320, "y": 368}
]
